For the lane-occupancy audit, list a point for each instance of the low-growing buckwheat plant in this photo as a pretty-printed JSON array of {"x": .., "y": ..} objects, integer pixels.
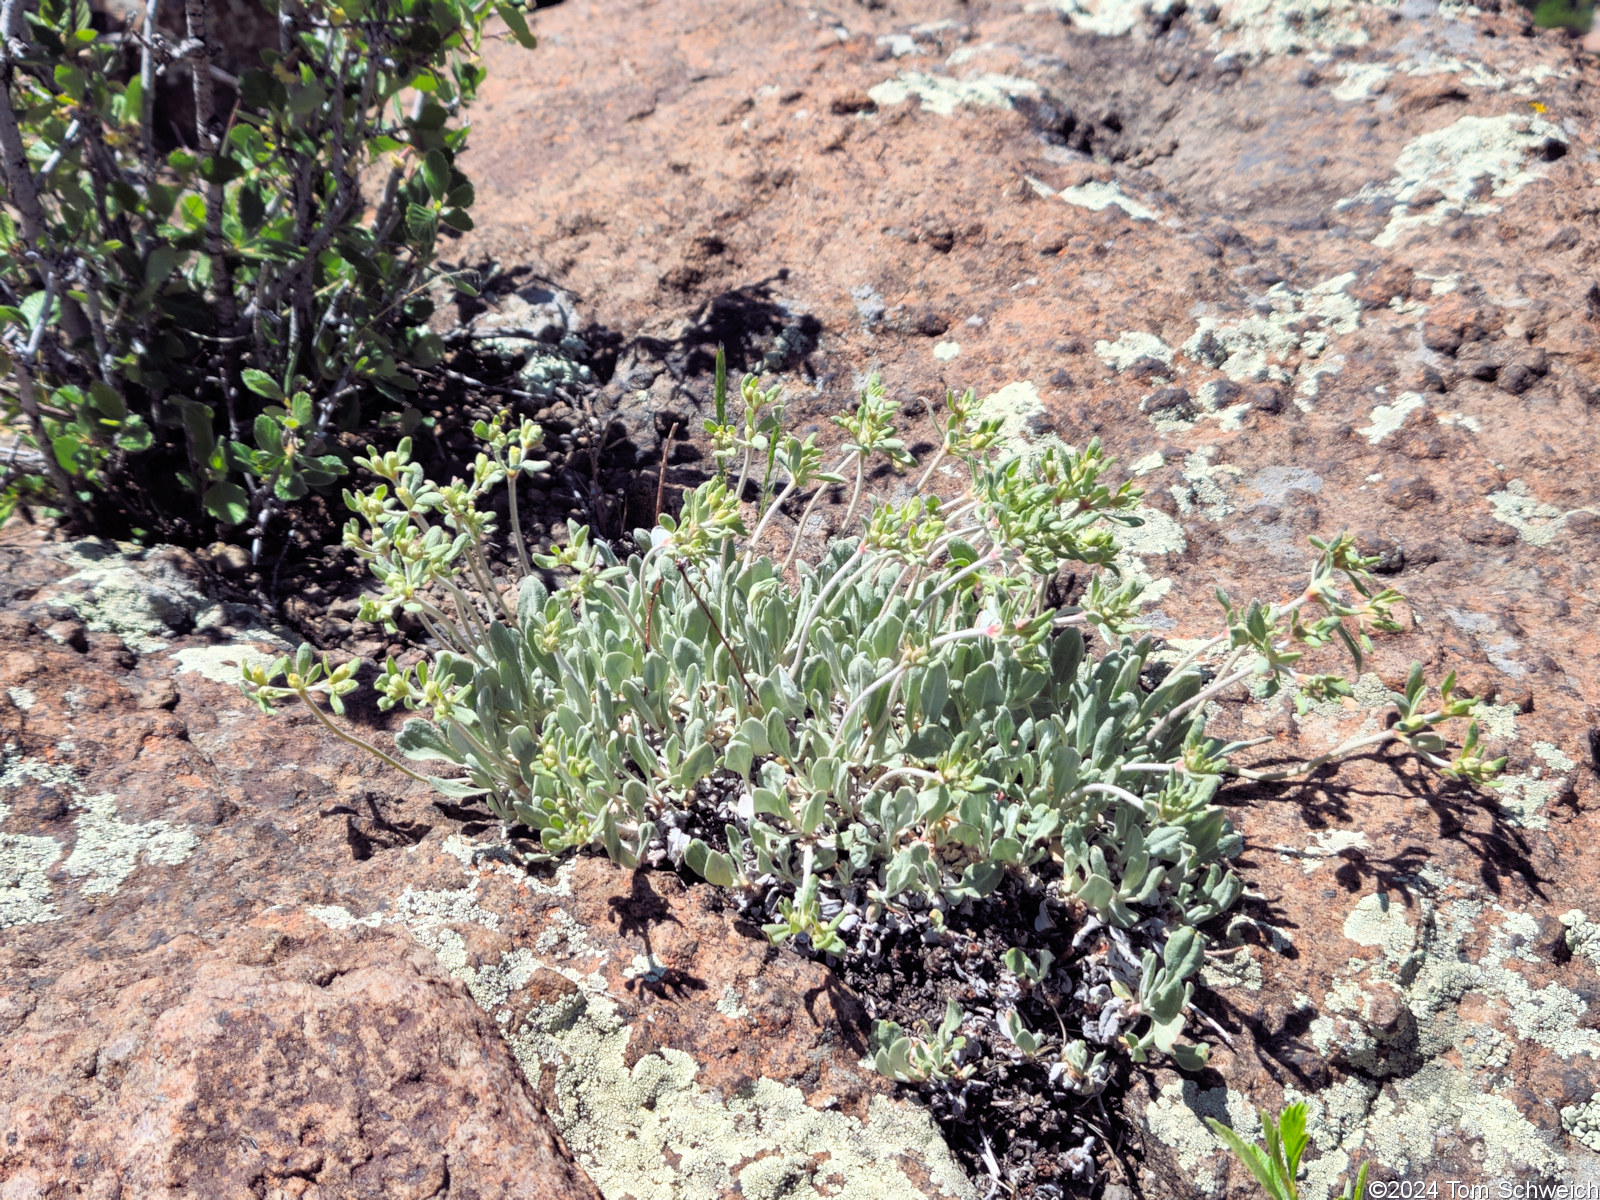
[{"x": 860, "y": 743}]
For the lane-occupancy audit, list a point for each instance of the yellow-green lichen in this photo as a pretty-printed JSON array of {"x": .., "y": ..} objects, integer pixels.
[
  {"x": 1237, "y": 970},
  {"x": 651, "y": 1132},
  {"x": 108, "y": 848},
  {"x": 1177, "y": 1118},
  {"x": 1295, "y": 325},
  {"x": 1582, "y": 1121},
  {"x": 942, "y": 94}
]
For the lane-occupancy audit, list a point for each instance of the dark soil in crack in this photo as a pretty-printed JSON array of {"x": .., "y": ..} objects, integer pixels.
[{"x": 1014, "y": 1115}]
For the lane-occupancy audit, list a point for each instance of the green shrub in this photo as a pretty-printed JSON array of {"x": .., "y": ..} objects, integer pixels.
[
  {"x": 1576, "y": 15},
  {"x": 890, "y": 729},
  {"x": 217, "y": 311}
]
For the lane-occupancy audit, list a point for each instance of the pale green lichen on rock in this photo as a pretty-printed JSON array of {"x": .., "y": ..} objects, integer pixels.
[
  {"x": 1130, "y": 346},
  {"x": 1402, "y": 1130},
  {"x": 1525, "y": 795},
  {"x": 646, "y": 967},
  {"x": 1536, "y": 522},
  {"x": 1335, "y": 1119},
  {"x": 1377, "y": 920},
  {"x": 1177, "y": 1118},
  {"x": 1295, "y": 324},
  {"x": 1444, "y": 1071},
  {"x": 1201, "y": 490},
  {"x": 337, "y": 916},
  {"x": 1263, "y": 28},
  {"x": 1015, "y": 406},
  {"x": 108, "y": 849},
  {"x": 25, "y": 893},
  {"x": 1237, "y": 970},
  {"x": 1483, "y": 1048},
  {"x": 1158, "y": 537},
  {"x": 942, "y": 94},
  {"x": 1497, "y": 721},
  {"x": 105, "y": 852},
  {"x": 564, "y": 937},
  {"x": 1361, "y": 81},
  {"x": 651, "y": 1132},
  {"x": 25, "y": 860},
  {"x": 1582, "y": 1121},
  {"x": 1095, "y": 196},
  {"x": 116, "y": 588},
  {"x": 221, "y": 664},
  {"x": 1105, "y": 18},
  {"x": 1388, "y": 418},
  {"x": 1554, "y": 757},
  {"x": 1455, "y": 162},
  {"x": 1583, "y": 936},
  {"x": 1431, "y": 958},
  {"x": 1326, "y": 844}
]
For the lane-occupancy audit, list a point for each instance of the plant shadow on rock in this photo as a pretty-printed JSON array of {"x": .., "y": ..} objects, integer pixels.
[
  {"x": 655, "y": 389},
  {"x": 371, "y": 831},
  {"x": 641, "y": 911},
  {"x": 1499, "y": 846},
  {"x": 1283, "y": 1043}
]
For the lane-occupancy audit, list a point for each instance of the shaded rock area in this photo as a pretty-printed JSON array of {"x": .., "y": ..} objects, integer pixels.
[
  {"x": 1304, "y": 267},
  {"x": 237, "y": 958}
]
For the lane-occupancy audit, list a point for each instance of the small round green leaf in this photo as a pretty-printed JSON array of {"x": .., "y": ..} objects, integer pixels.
[{"x": 227, "y": 502}]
